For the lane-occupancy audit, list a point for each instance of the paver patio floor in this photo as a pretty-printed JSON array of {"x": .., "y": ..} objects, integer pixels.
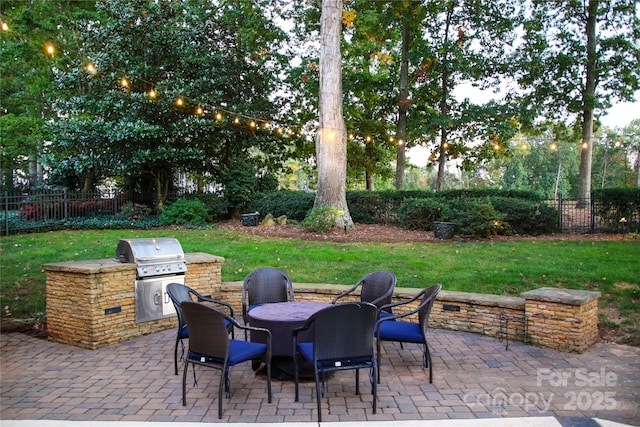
[{"x": 475, "y": 377}]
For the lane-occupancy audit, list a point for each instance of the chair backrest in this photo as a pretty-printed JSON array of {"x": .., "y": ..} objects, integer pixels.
[
  {"x": 208, "y": 334},
  {"x": 179, "y": 293},
  {"x": 344, "y": 331},
  {"x": 424, "y": 309},
  {"x": 266, "y": 285},
  {"x": 377, "y": 287}
]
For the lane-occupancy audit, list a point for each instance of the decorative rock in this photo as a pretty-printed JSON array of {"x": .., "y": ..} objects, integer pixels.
[{"x": 268, "y": 221}]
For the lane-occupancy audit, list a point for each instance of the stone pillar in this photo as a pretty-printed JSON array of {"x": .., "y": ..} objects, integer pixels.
[{"x": 562, "y": 319}]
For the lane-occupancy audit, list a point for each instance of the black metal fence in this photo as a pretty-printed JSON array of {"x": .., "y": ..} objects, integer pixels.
[
  {"x": 51, "y": 210},
  {"x": 46, "y": 210}
]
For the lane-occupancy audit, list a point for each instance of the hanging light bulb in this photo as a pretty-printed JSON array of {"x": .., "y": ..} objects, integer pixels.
[
  {"x": 199, "y": 111},
  {"x": 553, "y": 146},
  {"x": 179, "y": 101},
  {"x": 391, "y": 139},
  {"x": 218, "y": 116},
  {"x": 91, "y": 69},
  {"x": 236, "y": 120},
  {"x": 351, "y": 136},
  {"x": 4, "y": 26},
  {"x": 368, "y": 138},
  {"x": 585, "y": 145},
  {"x": 401, "y": 142},
  {"x": 252, "y": 124},
  {"x": 47, "y": 48},
  {"x": 124, "y": 83},
  {"x": 152, "y": 93}
]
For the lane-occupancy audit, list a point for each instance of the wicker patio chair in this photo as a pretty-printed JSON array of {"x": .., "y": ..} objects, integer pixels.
[
  {"x": 180, "y": 293},
  {"x": 391, "y": 328},
  {"x": 343, "y": 340},
  {"x": 376, "y": 287},
  {"x": 210, "y": 346},
  {"x": 264, "y": 286}
]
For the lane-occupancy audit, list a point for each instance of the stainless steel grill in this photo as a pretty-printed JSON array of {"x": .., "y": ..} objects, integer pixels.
[
  {"x": 153, "y": 257},
  {"x": 159, "y": 262}
]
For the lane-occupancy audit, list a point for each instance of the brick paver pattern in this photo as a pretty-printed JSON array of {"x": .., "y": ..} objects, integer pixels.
[{"x": 474, "y": 377}]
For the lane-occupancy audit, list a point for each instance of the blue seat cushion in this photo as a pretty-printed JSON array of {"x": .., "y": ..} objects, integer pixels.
[
  {"x": 239, "y": 351},
  {"x": 184, "y": 333},
  {"x": 401, "y": 331},
  {"x": 306, "y": 349}
]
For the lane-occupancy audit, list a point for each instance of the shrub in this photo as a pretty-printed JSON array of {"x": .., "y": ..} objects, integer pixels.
[
  {"x": 614, "y": 204},
  {"x": 523, "y": 216},
  {"x": 379, "y": 207},
  {"x": 133, "y": 212},
  {"x": 186, "y": 211},
  {"x": 216, "y": 205},
  {"x": 421, "y": 213},
  {"x": 321, "y": 219},
  {"x": 475, "y": 217},
  {"x": 294, "y": 204}
]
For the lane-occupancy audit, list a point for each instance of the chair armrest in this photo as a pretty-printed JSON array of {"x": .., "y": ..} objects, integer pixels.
[
  {"x": 228, "y": 306},
  {"x": 345, "y": 293},
  {"x": 403, "y": 302},
  {"x": 267, "y": 332}
]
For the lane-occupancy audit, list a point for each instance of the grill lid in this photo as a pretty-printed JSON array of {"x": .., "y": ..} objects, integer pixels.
[{"x": 153, "y": 256}]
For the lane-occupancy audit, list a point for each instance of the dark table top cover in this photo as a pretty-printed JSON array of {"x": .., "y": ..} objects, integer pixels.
[{"x": 281, "y": 319}]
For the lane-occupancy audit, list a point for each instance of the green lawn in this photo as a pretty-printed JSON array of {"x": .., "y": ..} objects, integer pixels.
[{"x": 504, "y": 268}]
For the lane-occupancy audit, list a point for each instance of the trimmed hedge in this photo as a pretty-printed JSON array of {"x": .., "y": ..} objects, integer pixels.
[
  {"x": 476, "y": 212},
  {"x": 294, "y": 204},
  {"x": 615, "y": 204}
]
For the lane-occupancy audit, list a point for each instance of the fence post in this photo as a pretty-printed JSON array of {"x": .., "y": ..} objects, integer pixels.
[
  {"x": 66, "y": 204},
  {"x": 6, "y": 213},
  {"x": 593, "y": 214},
  {"x": 560, "y": 211}
]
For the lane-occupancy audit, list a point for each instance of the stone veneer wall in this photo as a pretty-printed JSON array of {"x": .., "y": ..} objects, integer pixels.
[
  {"x": 562, "y": 319},
  {"x": 79, "y": 292}
]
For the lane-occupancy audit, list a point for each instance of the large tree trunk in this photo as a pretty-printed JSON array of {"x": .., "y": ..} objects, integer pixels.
[
  {"x": 444, "y": 106},
  {"x": 402, "y": 109},
  {"x": 638, "y": 167},
  {"x": 331, "y": 142},
  {"x": 586, "y": 155}
]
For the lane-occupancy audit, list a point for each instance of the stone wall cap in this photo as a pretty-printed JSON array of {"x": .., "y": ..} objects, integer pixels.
[
  {"x": 484, "y": 299},
  {"x": 89, "y": 266},
  {"x": 566, "y": 296},
  {"x": 202, "y": 257}
]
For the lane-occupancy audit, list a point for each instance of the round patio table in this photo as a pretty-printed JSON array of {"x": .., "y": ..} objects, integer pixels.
[{"x": 281, "y": 319}]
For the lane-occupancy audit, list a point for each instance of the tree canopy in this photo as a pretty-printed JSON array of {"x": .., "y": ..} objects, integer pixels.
[{"x": 171, "y": 87}]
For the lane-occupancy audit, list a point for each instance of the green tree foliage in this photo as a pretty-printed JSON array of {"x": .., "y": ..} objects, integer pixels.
[
  {"x": 545, "y": 162},
  {"x": 465, "y": 42},
  {"x": 220, "y": 57},
  {"x": 576, "y": 58},
  {"x": 450, "y": 43},
  {"x": 33, "y": 37}
]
